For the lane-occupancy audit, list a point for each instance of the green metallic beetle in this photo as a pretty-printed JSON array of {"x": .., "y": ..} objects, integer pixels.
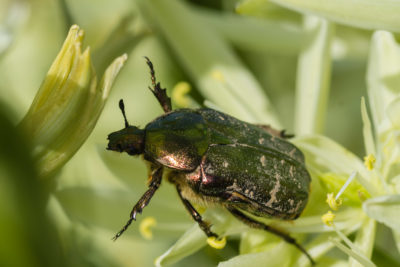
[{"x": 212, "y": 157}]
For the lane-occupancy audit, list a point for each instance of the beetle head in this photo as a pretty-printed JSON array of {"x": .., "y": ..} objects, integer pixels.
[{"x": 129, "y": 140}]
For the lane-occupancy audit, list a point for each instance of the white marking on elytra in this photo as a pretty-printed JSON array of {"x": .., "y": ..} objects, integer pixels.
[
  {"x": 294, "y": 209},
  {"x": 298, "y": 205},
  {"x": 263, "y": 161},
  {"x": 209, "y": 169},
  {"x": 291, "y": 169},
  {"x": 274, "y": 190},
  {"x": 234, "y": 187}
]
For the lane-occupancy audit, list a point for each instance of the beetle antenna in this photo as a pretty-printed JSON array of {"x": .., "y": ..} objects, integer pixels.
[{"x": 122, "y": 108}]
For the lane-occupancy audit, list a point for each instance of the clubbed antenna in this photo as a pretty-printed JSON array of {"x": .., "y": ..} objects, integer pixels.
[{"x": 122, "y": 108}]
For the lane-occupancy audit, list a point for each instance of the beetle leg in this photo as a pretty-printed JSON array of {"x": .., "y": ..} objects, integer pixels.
[
  {"x": 196, "y": 216},
  {"x": 274, "y": 132},
  {"x": 159, "y": 93},
  {"x": 155, "y": 181},
  {"x": 255, "y": 224}
]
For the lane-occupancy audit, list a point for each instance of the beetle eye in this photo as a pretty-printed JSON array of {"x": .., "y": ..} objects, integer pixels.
[{"x": 119, "y": 147}]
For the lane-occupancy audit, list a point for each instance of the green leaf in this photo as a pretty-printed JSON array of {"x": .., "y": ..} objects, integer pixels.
[{"x": 384, "y": 209}]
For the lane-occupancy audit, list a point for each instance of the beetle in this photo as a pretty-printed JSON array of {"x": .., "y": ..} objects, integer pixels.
[{"x": 212, "y": 157}]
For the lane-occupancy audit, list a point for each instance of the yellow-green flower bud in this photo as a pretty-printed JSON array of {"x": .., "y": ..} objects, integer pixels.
[{"x": 67, "y": 104}]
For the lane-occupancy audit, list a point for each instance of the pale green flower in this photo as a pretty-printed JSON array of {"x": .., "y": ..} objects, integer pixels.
[{"x": 247, "y": 65}]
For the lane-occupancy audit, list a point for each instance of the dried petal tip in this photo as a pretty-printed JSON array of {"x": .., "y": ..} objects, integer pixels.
[
  {"x": 332, "y": 202},
  {"x": 369, "y": 162},
  {"x": 145, "y": 227},
  {"x": 328, "y": 218},
  {"x": 216, "y": 243}
]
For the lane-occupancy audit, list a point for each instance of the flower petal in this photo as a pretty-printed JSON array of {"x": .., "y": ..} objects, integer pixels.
[
  {"x": 384, "y": 209},
  {"x": 383, "y": 75},
  {"x": 312, "y": 87},
  {"x": 193, "y": 240},
  {"x": 351, "y": 12},
  {"x": 279, "y": 255},
  {"x": 367, "y": 130},
  {"x": 365, "y": 239}
]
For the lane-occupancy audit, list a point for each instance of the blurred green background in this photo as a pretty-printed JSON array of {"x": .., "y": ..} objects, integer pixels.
[{"x": 70, "y": 219}]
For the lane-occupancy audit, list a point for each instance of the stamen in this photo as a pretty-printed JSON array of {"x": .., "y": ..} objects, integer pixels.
[
  {"x": 328, "y": 218},
  {"x": 179, "y": 93},
  {"x": 145, "y": 227},
  {"x": 332, "y": 202},
  {"x": 216, "y": 243},
  {"x": 369, "y": 162},
  {"x": 346, "y": 184}
]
